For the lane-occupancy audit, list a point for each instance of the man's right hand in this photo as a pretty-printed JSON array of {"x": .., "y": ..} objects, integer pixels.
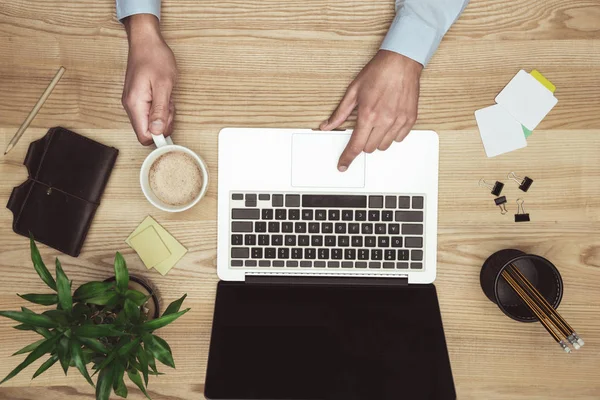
[{"x": 149, "y": 81}]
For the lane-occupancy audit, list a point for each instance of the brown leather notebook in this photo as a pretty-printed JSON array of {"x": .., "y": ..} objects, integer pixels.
[{"x": 67, "y": 176}]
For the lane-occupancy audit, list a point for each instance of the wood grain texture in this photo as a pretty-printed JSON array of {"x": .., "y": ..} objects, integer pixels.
[{"x": 285, "y": 63}]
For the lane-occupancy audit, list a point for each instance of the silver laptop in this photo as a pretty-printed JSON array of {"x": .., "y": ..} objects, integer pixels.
[{"x": 286, "y": 211}]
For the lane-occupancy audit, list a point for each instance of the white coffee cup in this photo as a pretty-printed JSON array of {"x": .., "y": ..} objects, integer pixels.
[{"x": 163, "y": 146}]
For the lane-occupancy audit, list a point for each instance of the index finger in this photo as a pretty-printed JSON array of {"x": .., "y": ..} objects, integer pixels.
[
  {"x": 356, "y": 145},
  {"x": 138, "y": 115}
]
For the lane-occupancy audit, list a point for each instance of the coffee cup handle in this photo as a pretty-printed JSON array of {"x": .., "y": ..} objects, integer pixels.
[{"x": 160, "y": 140}]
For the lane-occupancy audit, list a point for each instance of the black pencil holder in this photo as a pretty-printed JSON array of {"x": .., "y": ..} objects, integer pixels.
[{"x": 540, "y": 272}]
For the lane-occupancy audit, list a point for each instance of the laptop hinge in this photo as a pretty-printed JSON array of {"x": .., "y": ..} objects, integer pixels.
[{"x": 326, "y": 280}]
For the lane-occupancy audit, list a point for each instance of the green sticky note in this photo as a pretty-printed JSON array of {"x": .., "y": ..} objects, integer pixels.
[{"x": 526, "y": 131}]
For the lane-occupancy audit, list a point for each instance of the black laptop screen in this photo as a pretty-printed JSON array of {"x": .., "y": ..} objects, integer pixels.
[{"x": 275, "y": 341}]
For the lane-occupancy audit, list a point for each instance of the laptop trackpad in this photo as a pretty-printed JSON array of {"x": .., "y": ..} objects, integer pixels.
[{"x": 315, "y": 158}]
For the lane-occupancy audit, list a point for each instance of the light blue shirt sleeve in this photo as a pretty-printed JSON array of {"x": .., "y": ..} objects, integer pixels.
[
  {"x": 420, "y": 25},
  {"x": 125, "y": 8}
]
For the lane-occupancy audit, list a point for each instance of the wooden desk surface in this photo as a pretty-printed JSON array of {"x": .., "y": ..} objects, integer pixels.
[{"x": 286, "y": 63}]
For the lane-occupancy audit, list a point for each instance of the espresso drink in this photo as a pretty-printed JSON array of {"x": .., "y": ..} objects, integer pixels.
[{"x": 175, "y": 178}]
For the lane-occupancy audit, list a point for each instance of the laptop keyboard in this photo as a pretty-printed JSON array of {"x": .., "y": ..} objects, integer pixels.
[{"x": 270, "y": 230}]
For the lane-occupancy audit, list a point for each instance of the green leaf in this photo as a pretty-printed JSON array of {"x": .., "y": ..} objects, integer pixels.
[
  {"x": 47, "y": 364},
  {"x": 174, "y": 306},
  {"x": 137, "y": 297},
  {"x": 58, "y": 316},
  {"x": 35, "y": 320},
  {"x": 64, "y": 354},
  {"x": 81, "y": 312},
  {"x": 108, "y": 298},
  {"x": 161, "y": 351},
  {"x": 118, "y": 382},
  {"x": 29, "y": 348},
  {"x": 104, "y": 386},
  {"x": 151, "y": 360},
  {"x": 39, "y": 265},
  {"x": 132, "y": 311},
  {"x": 42, "y": 331},
  {"x": 121, "y": 273},
  {"x": 142, "y": 357},
  {"x": 43, "y": 299},
  {"x": 135, "y": 377},
  {"x": 77, "y": 355},
  {"x": 93, "y": 344},
  {"x": 39, "y": 351},
  {"x": 96, "y": 331},
  {"x": 127, "y": 348},
  {"x": 64, "y": 288},
  {"x": 23, "y": 327},
  {"x": 105, "y": 363},
  {"x": 162, "y": 321},
  {"x": 92, "y": 289}
]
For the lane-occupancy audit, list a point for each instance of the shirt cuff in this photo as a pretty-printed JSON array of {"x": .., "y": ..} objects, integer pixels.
[
  {"x": 126, "y": 8},
  {"x": 412, "y": 37}
]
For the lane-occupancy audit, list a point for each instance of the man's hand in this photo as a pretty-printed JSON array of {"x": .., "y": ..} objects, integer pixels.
[
  {"x": 149, "y": 81},
  {"x": 386, "y": 93}
]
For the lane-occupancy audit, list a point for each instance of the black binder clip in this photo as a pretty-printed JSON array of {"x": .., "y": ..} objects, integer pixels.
[
  {"x": 521, "y": 216},
  {"x": 496, "y": 188},
  {"x": 524, "y": 183},
  {"x": 501, "y": 203}
]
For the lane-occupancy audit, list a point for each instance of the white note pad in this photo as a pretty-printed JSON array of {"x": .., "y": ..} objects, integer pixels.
[
  {"x": 526, "y": 99},
  {"x": 500, "y": 132}
]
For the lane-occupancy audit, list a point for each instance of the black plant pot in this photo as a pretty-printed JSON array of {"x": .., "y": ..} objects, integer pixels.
[{"x": 144, "y": 286}]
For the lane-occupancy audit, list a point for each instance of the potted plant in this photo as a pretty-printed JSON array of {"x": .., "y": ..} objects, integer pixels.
[{"x": 105, "y": 323}]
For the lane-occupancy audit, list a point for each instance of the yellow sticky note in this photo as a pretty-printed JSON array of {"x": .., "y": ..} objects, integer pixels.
[
  {"x": 542, "y": 79},
  {"x": 177, "y": 250},
  {"x": 150, "y": 247}
]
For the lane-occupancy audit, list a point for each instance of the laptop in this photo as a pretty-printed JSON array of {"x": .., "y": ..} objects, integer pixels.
[{"x": 326, "y": 277}]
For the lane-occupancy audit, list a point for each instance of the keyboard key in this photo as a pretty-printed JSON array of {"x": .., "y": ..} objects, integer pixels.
[
  {"x": 367, "y": 229},
  {"x": 374, "y": 215},
  {"x": 263, "y": 240},
  {"x": 413, "y": 242},
  {"x": 292, "y": 200},
  {"x": 290, "y": 240},
  {"x": 277, "y": 200},
  {"x": 291, "y": 264},
  {"x": 237, "y": 226},
  {"x": 370, "y": 241},
  {"x": 278, "y": 263},
  {"x": 303, "y": 240},
  {"x": 380, "y": 229},
  {"x": 402, "y": 265},
  {"x": 283, "y": 252},
  {"x": 257, "y": 252},
  {"x": 412, "y": 229},
  {"x": 240, "y": 252},
  {"x": 360, "y": 264},
  {"x": 333, "y": 264},
  {"x": 307, "y": 215},
  {"x": 357, "y": 241},
  {"x": 287, "y": 227},
  {"x": 416, "y": 255},
  {"x": 340, "y": 227},
  {"x": 305, "y": 264},
  {"x": 347, "y": 264},
  {"x": 375, "y": 201},
  {"x": 237, "y": 240},
  {"x": 281, "y": 213},
  {"x": 274, "y": 227},
  {"x": 294, "y": 214},
  {"x": 316, "y": 240},
  {"x": 260, "y": 227},
  {"x": 267, "y": 213},
  {"x": 250, "y": 240},
  {"x": 403, "y": 202},
  {"x": 320, "y": 215},
  {"x": 402, "y": 255},
  {"x": 347, "y": 215},
  {"x": 300, "y": 227},
  {"x": 374, "y": 264},
  {"x": 350, "y": 254},
  {"x": 360, "y": 215},
  {"x": 343, "y": 241},
  {"x": 336, "y": 254},
  {"x": 310, "y": 253},
  {"x": 387, "y": 215},
  {"x": 330, "y": 241},
  {"x": 388, "y": 265},
  {"x": 334, "y": 215},
  {"x": 264, "y": 196},
  {"x": 319, "y": 264},
  {"x": 396, "y": 241},
  {"x": 353, "y": 228},
  {"x": 390, "y": 201},
  {"x": 270, "y": 252},
  {"x": 250, "y": 263},
  {"x": 237, "y": 263},
  {"x": 383, "y": 241},
  {"x": 389, "y": 255},
  {"x": 250, "y": 203},
  {"x": 416, "y": 265},
  {"x": 327, "y": 227},
  {"x": 376, "y": 254},
  {"x": 296, "y": 253},
  {"x": 417, "y": 202},
  {"x": 237, "y": 196},
  {"x": 393, "y": 229},
  {"x": 251, "y": 196},
  {"x": 323, "y": 253},
  {"x": 363, "y": 254},
  {"x": 277, "y": 240},
  {"x": 264, "y": 263},
  {"x": 409, "y": 216},
  {"x": 335, "y": 200},
  {"x": 314, "y": 227}
]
